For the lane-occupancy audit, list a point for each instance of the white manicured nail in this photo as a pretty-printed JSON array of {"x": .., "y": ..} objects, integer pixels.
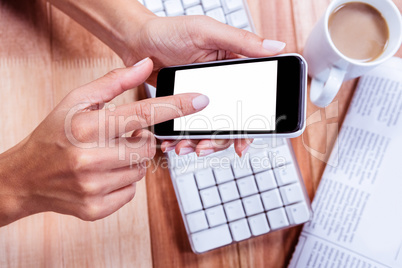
[
  {"x": 186, "y": 150},
  {"x": 200, "y": 102},
  {"x": 244, "y": 151},
  {"x": 141, "y": 61},
  {"x": 206, "y": 152},
  {"x": 273, "y": 46},
  {"x": 168, "y": 149}
]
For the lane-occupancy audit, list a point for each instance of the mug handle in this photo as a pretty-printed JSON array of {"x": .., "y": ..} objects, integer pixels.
[{"x": 322, "y": 93}]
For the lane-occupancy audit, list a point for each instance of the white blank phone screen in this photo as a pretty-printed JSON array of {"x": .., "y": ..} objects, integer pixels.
[{"x": 242, "y": 97}]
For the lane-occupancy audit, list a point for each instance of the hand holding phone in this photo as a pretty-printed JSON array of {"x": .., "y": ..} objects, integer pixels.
[{"x": 249, "y": 98}]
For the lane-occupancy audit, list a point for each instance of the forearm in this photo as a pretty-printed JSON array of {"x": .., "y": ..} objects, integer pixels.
[
  {"x": 115, "y": 22},
  {"x": 12, "y": 190}
]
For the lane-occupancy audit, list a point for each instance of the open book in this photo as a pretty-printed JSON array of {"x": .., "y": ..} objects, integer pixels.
[{"x": 358, "y": 205}]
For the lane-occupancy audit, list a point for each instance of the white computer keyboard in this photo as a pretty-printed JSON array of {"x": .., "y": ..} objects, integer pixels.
[{"x": 223, "y": 198}]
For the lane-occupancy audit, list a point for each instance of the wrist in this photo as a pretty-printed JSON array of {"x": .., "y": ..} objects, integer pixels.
[
  {"x": 129, "y": 36},
  {"x": 15, "y": 202},
  {"x": 116, "y": 23}
]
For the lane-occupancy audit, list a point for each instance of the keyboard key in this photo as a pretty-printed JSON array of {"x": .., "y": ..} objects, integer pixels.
[
  {"x": 291, "y": 193},
  {"x": 160, "y": 14},
  {"x": 174, "y": 8},
  {"x": 260, "y": 162},
  {"x": 271, "y": 199},
  {"x": 188, "y": 192},
  {"x": 277, "y": 142},
  {"x": 240, "y": 230},
  {"x": 277, "y": 218},
  {"x": 216, "y": 216},
  {"x": 268, "y": 143},
  {"x": 223, "y": 174},
  {"x": 298, "y": 213},
  {"x": 195, "y": 10},
  {"x": 228, "y": 191},
  {"x": 286, "y": 175},
  {"x": 210, "y": 197},
  {"x": 280, "y": 156},
  {"x": 180, "y": 163},
  {"x": 265, "y": 180},
  {"x": 252, "y": 205},
  {"x": 258, "y": 224},
  {"x": 217, "y": 14},
  {"x": 241, "y": 168},
  {"x": 238, "y": 19},
  {"x": 210, "y": 4},
  {"x": 247, "y": 186},
  {"x": 197, "y": 221},
  {"x": 211, "y": 238},
  {"x": 232, "y": 5},
  {"x": 234, "y": 210},
  {"x": 154, "y": 5},
  {"x": 248, "y": 28},
  {"x": 204, "y": 178},
  {"x": 190, "y": 3}
]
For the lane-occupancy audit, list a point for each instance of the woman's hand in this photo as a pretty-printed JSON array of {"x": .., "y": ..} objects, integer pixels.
[
  {"x": 134, "y": 33},
  {"x": 181, "y": 40},
  {"x": 78, "y": 161}
]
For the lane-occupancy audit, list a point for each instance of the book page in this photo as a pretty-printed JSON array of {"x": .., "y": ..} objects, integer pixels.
[{"x": 357, "y": 209}]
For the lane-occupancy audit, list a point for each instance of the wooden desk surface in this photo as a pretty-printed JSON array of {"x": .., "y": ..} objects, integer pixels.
[{"x": 43, "y": 55}]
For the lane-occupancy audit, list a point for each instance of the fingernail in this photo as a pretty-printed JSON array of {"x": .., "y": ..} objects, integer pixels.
[
  {"x": 141, "y": 61},
  {"x": 206, "y": 152},
  {"x": 186, "y": 150},
  {"x": 273, "y": 46},
  {"x": 169, "y": 143},
  {"x": 221, "y": 143},
  {"x": 168, "y": 149},
  {"x": 244, "y": 151},
  {"x": 200, "y": 102}
]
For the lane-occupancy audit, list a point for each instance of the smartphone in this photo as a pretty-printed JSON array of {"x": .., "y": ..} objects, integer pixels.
[{"x": 249, "y": 98}]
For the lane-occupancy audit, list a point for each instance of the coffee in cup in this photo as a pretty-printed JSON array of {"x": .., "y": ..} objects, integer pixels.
[
  {"x": 350, "y": 39},
  {"x": 358, "y": 31}
]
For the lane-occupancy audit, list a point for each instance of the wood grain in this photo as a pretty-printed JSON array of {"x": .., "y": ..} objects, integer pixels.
[{"x": 44, "y": 55}]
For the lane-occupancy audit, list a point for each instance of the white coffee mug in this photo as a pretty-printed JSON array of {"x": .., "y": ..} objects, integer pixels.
[{"x": 328, "y": 67}]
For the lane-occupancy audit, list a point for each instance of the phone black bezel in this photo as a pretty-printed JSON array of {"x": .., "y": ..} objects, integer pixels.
[{"x": 289, "y": 100}]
